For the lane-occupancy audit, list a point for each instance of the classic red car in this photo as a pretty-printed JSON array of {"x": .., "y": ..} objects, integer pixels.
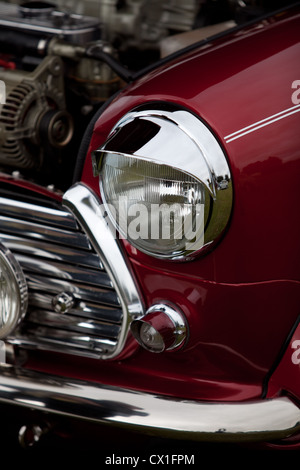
[{"x": 155, "y": 287}]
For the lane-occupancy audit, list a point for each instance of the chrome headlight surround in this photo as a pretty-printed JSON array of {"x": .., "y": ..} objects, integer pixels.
[{"x": 168, "y": 137}]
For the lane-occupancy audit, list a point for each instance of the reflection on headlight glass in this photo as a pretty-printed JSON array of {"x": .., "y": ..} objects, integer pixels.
[{"x": 158, "y": 208}]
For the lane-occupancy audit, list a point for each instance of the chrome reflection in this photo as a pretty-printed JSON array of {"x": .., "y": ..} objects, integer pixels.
[
  {"x": 159, "y": 415},
  {"x": 58, "y": 261},
  {"x": 167, "y": 135},
  {"x": 83, "y": 203}
]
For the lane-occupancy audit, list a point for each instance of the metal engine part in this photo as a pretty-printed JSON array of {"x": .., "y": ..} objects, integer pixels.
[
  {"x": 140, "y": 23},
  {"x": 37, "y": 17},
  {"x": 50, "y": 90},
  {"x": 60, "y": 61},
  {"x": 34, "y": 114},
  {"x": 146, "y": 22}
]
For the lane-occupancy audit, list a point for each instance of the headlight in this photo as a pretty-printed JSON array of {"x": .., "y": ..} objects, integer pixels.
[
  {"x": 165, "y": 182},
  {"x": 13, "y": 292}
]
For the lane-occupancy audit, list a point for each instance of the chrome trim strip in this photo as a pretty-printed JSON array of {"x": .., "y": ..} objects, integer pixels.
[
  {"x": 67, "y": 272},
  {"x": 49, "y": 250},
  {"x": 83, "y": 309},
  {"x": 37, "y": 231},
  {"x": 72, "y": 323},
  {"x": 159, "y": 415},
  {"x": 80, "y": 344},
  {"x": 80, "y": 291},
  {"x": 13, "y": 208},
  {"x": 85, "y": 206}
]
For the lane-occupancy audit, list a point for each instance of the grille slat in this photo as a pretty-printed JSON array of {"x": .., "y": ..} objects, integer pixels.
[
  {"x": 31, "y": 212},
  {"x": 64, "y": 341},
  {"x": 71, "y": 323},
  {"x": 40, "y": 249},
  {"x": 38, "y": 231},
  {"x": 56, "y": 256},
  {"x": 67, "y": 272},
  {"x": 81, "y": 309},
  {"x": 80, "y": 291}
]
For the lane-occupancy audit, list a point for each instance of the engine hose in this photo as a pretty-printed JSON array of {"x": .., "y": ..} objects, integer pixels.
[
  {"x": 97, "y": 53},
  {"x": 14, "y": 42}
]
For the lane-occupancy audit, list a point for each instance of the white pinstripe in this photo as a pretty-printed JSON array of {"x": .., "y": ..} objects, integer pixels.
[{"x": 264, "y": 122}]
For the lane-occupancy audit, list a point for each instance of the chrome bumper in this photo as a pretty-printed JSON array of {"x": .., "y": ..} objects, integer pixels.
[{"x": 157, "y": 415}]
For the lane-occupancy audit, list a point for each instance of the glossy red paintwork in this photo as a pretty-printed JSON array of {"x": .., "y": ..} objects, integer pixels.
[
  {"x": 286, "y": 380},
  {"x": 242, "y": 299},
  {"x": 232, "y": 85},
  {"x": 286, "y": 377},
  {"x": 29, "y": 186}
]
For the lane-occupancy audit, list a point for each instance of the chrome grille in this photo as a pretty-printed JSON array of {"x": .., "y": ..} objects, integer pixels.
[{"x": 57, "y": 256}]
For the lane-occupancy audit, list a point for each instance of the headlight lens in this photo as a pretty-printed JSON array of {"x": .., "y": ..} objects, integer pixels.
[
  {"x": 160, "y": 180},
  {"x": 158, "y": 208}
]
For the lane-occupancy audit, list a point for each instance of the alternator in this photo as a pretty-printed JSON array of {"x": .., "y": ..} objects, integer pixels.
[{"x": 34, "y": 114}]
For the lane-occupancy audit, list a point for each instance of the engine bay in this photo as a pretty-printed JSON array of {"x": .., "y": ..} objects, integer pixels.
[{"x": 60, "y": 62}]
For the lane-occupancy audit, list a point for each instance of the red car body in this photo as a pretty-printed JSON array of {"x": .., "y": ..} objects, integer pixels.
[
  {"x": 240, "y": 299},
  {"x": 234, "y": 296}
]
